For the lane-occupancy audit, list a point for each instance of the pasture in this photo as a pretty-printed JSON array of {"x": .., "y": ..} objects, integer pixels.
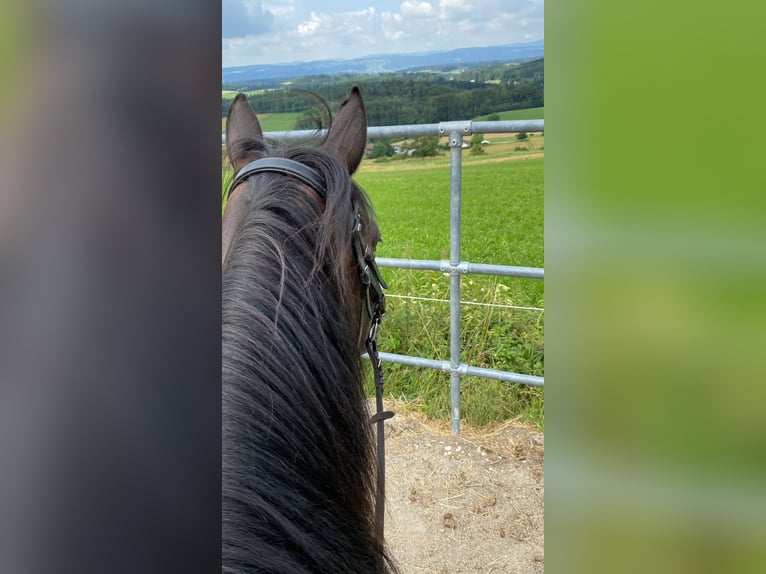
[
  {"x": 502, "y": 223},
  {"x": 272, "y": 122},
  {"x": 527, "y": 114},
  {"x": 229, "y": 94}
]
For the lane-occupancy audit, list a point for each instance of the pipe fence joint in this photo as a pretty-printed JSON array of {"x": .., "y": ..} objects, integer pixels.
[
  {"x": 453, "y": 368},
  {"x": 462, "y": 268},
  {"x": 465, "y": 128}
]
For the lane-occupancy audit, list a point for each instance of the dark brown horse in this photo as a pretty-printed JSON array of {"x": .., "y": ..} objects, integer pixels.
[{"x": 298, "y": 457}]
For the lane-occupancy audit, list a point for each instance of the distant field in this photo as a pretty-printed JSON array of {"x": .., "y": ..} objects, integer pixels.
[
  {"x": 507, "y": 143},
  {"x": 229, "y": 94},
  {"x": 273, "y": 122},
  {"x": 528, "y": 114},
  {"x": 502, "y": 147}
]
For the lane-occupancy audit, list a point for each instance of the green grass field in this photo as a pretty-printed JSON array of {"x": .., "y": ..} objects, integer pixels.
[
  {"x": 273, "y": 122},
  {"x": 502, "y": 223},
  {"x": 528, "y": 114},
  {"x": 229, "y": 94}
]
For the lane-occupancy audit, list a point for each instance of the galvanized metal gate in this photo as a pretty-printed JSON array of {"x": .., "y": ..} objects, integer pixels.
[{"x": 455, "y": 266}]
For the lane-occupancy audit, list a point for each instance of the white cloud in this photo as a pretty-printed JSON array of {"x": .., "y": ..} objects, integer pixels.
[
  {"x": 280, "y": 10},
  {"x": 417, "y": 9},
  {"x": 340, "y": 28},
  {"x": 390, "y": 24},
  {"x": 310, "y": 28},
  {"x": 451, "y": 6}
]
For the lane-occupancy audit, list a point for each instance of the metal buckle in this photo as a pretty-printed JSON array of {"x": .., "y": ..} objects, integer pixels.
[{"x": 374, "y": 327}]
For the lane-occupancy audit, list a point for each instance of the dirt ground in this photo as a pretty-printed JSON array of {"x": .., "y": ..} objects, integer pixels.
[{"x": 468, "y": 504}]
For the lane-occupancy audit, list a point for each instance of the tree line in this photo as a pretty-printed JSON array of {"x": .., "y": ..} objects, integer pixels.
[{"x": 408, "y": 98}]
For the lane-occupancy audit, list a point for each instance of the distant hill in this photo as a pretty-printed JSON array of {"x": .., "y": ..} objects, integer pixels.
[{"x": 386, "y": 63}]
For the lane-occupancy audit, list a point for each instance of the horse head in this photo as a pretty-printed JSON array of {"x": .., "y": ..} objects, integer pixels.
[{"x": 345, "y": 141}]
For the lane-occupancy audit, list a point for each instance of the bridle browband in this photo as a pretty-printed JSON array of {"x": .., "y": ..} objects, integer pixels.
[
  {"x": 284, "y": 166},
  {"x": 373, "y": 299}
]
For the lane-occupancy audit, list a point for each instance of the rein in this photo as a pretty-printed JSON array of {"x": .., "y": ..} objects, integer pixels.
[
  {"x": 373, "y": 307},
  {"x": 373, "y": 302}
]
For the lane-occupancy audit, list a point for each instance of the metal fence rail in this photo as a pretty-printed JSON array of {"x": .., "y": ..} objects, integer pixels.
[
  {"x": 455, "y": 266},
  {"x": 464, "y": 128}
]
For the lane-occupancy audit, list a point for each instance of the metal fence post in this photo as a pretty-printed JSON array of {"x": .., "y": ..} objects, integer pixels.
[{"x": 456, "y": 160}]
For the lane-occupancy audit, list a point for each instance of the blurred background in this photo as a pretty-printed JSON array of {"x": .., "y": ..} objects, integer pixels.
[
  {"x": 655, "y": 276},
  {"x": 109, "y": 286}
]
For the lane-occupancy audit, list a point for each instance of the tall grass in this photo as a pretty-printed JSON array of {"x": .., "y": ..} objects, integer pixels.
[{"x": 502, "y": 223}]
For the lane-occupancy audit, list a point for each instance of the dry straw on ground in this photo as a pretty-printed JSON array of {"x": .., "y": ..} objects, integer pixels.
[{"x": 468, "y": 504}]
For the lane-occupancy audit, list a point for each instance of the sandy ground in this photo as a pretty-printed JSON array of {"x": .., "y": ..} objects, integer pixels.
[{"x": 471, "y": 504}]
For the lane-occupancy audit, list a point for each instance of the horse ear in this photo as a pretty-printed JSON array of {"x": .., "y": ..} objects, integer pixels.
[
  {"x": 347, "y": 137},
  {"x": 241, "y": 123}
]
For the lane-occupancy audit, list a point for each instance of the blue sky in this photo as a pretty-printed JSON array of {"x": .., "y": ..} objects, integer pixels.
[{"x": 277, "y": 31}]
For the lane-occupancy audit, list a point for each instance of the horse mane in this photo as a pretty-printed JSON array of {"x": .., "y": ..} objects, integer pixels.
[{"x": 298, "y": 456}]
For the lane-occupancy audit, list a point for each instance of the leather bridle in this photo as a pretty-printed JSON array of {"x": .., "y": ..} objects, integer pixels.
[{"x": 373, "y": 304}]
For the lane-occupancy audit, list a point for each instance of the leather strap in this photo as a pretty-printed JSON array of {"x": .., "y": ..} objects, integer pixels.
[
  {"x": 284, "y": 166},
  {"x": 378, "y": 418}
]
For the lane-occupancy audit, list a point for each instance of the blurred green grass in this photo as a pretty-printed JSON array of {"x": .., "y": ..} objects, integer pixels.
[{"x": 656, "y": 443}]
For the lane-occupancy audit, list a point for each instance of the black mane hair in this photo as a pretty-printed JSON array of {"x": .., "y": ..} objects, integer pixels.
[{"x": 298, "y": 463}]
